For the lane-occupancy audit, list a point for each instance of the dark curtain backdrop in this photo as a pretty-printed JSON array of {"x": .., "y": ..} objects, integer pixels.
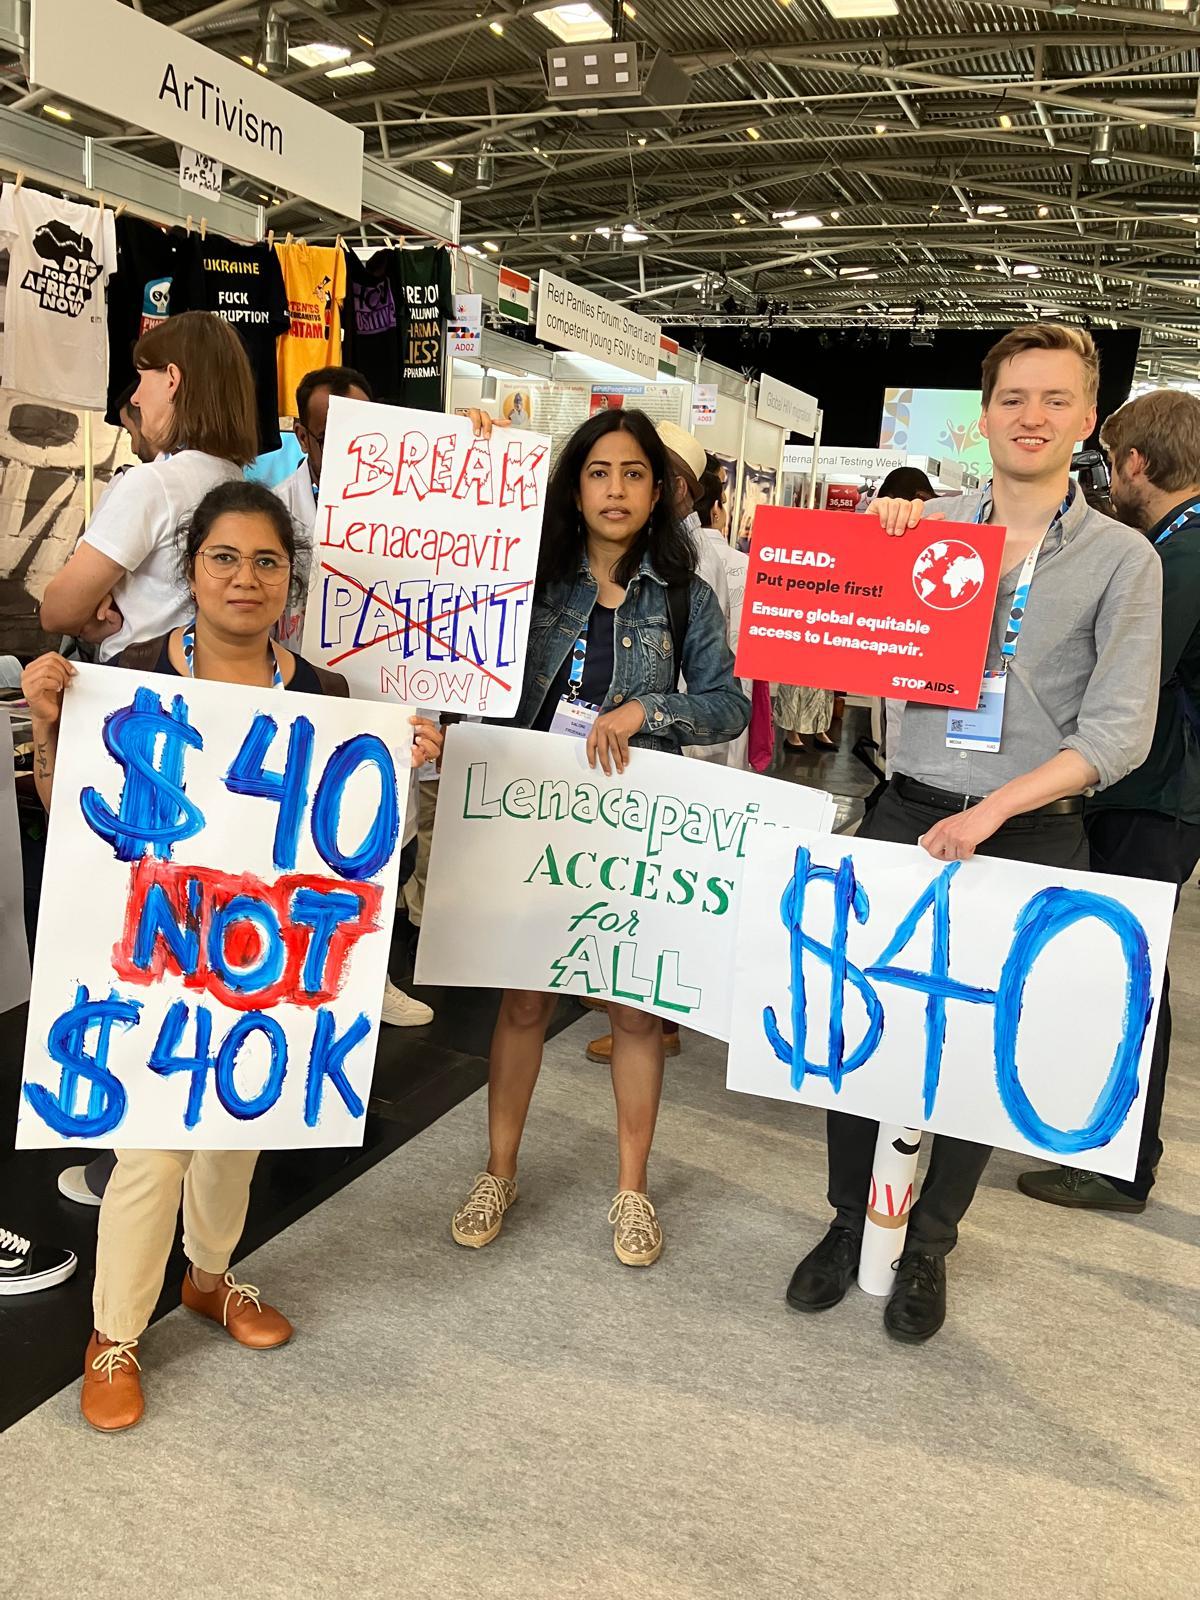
[{"x": 849, "y": 379}]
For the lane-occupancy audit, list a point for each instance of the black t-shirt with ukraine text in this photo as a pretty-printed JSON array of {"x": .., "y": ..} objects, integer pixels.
[
  {"x": 244, "y": 285},
  {"x": 421, "y": 280}
]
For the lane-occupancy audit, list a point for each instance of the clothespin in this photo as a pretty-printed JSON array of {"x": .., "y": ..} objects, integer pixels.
[
  {"x": 119, "y": 210},
  {"x": 101, "y": 205},
  {"x": 270, "y": 237},
  {"x": 339, "y": 243},
  {"x": 288, "y": 240},
  {"x": 20, "y": 180},
  {"x": 203, "y": 227},
  {"x": 189, "y": 222}
]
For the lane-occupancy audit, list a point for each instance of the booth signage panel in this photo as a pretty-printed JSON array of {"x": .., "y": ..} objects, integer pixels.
[
  {"x": 833, "y": 602},
  {"x": 576, "y": 319},
  {"x": 842, "y": 458},
  {"x": 785, "y": 407},
  {"x": 107, "y": 55}
]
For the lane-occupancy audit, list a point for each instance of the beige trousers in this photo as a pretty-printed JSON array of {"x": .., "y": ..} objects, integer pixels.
[{"x": 137, "y": 1226}]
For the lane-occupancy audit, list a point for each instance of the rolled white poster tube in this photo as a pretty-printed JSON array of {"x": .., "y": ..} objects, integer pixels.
[{"x": 890, "y": 1201}]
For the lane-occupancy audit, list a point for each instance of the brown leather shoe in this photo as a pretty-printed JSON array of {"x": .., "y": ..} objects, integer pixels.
[
  {"x": 237, "y": 1307},
  {"x": 111, "y": 1398},
  {"x": 601, "y": 1049}
]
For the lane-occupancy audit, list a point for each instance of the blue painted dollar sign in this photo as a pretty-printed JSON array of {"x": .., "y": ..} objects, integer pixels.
[
  {"x": 153, "y": 812},
  {"x": 67, "y": 1044},
  {"x": 848, "y": 897}
]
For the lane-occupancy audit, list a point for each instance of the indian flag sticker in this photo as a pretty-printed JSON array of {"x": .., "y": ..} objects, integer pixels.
[
  {"x": 668, "y": 356},
  {"x": 515, "y": 294}
]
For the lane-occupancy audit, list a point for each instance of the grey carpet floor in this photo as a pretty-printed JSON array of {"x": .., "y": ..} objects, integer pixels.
[{"x": 533, "y": 1420}]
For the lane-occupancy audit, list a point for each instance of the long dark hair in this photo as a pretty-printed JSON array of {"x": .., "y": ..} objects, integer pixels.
[
  {"x": 241, "y": 495},
  {"x": 563, "y": 535}
]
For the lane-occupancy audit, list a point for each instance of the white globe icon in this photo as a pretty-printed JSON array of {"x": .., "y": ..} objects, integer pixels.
[{"x": 948, "y": 574}]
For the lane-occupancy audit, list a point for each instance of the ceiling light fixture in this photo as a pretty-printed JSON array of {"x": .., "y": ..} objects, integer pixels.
[
  {"x": 753, "y": 133},
  {"x": 1026, "y": 269},
  {"x": 489, "y": 244},
  {"x": 354, "y": 69},
  {"x": 992, "y": 211},
  {"x": 808, "y": 271},
  {"x": 801, "y": 224},
  {"x": 1100, "y": 155},
  {"x": 628, "y": 10},
  {"x": 1043, "y": 211},
  {"x": 444, "y": 166},
  {"x": 275, "y": 39},
  {"x": 485, "y": 168},
  {"x": 57, "y": 111},
  {"x": 247, "y": 61},
  {"x": 1005, "y": 121},
  {"x": 497, "y": 28},
  {"x": 854, "y": 10},
  {"x": 574, "y": 238},
  {"x": 881, "y": 127},
  {"x": 575, "y": 24},
  {"x": 470, "y": 250},
  {"x": 262, "y": 67},
  {"x": 642, "y": 139},
  {"x": 318, "y": 55},
  {"x": 853, "y": 272}
]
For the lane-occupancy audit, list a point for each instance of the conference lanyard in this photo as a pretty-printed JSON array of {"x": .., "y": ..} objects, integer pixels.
[
  {"x": 1184, "y": 516},
  {"x": 189, "y": 653},
  {"x": 578, "y": 657},
  {"x": 1020, "y": 599}
]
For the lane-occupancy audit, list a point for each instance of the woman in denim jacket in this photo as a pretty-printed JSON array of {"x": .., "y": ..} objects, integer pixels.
[{"x": 600, "y": 636}]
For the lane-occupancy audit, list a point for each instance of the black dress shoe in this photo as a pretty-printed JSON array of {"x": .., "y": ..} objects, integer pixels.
[
  {"x": 826, "y": 1272},
  {"x": 917, "y": 1307}
]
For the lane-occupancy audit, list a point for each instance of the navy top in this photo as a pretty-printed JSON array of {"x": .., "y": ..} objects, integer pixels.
[
  {"x": 304, "y": 680},
  {"x": 597, "y": 668}
]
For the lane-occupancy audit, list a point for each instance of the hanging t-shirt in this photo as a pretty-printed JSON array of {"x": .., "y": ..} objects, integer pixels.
[
  {"x": 144, "y": 292},
  {"x": 421, "y": 279},
  {"x": 56, "y": 336},
  {"x": 370, "y": 327},
  {"x": 137, "y": 525},
  {"x": 314, "y": 280},
  {"x": 243, "y": 283}
]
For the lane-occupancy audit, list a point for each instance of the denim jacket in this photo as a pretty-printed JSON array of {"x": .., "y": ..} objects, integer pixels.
[{"x": 711, "y": 709}]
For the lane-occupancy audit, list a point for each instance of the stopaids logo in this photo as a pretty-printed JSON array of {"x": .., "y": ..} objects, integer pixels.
[{"x": 948, "y": 574}]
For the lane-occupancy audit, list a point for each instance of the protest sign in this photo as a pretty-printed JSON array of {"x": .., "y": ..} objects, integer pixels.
[
  {"x": 216, "y": 916},
  {"x": 834, "y": 603},
  {"x": 14, "y": 952},
  {"x": 626, "y": 888},
  {"x": 424, "y": 556},
  {"x": 992, "y": 1000}
]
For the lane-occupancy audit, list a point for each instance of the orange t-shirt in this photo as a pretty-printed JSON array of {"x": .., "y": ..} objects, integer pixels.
[{"x": 314, "y": 279}]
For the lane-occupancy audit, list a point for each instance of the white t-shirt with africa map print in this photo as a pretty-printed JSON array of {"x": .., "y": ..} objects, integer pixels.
[{"x": 61, "y": 256}]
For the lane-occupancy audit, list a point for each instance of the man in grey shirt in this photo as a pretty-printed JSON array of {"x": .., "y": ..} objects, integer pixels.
[{"x": 1075, "y": 648}]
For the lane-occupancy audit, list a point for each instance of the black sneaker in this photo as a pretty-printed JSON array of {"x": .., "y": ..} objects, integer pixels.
[
  {"x": 917, "y": 1307},
  {"x": 827, "y": 1271},
  {"x": 25, "y": 1266}
]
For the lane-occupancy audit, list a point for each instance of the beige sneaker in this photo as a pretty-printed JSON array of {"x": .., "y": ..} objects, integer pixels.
[
  {"x": 479, "y": 1219},
  {"x": 637, "y": 1236}
]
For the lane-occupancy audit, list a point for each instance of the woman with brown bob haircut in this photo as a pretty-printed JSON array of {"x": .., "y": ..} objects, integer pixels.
[{"x": 195, "y": 395}]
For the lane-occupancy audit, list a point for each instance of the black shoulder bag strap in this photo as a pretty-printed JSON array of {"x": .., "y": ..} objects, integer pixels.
[{"x": 678, "y": 605}]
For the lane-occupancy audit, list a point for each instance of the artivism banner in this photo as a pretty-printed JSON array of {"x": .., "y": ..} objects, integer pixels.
[
  {"x": 216, "y": 914},
  {"x": 992, "y": 1000},
  {"x": 626, "y": 888},
  {"x": 424, "y": 556},
  {"x": 834, "y": 603}
]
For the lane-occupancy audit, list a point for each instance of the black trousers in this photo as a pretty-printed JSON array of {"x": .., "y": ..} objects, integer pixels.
[
  {"x": 1147, "y": 844},
  {"x": 955, "y": 1165}
]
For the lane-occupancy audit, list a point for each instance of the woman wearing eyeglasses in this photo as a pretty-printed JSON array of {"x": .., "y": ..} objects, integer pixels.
[{"x": 238, "y": 559}]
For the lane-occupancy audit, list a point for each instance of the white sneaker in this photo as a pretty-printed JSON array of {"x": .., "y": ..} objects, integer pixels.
[
  {"x": 72, "y": 1185},
  {"x": 402, "y": 1011}
]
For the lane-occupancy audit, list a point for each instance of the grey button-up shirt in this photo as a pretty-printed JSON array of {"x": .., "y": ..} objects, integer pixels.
[{"x": 1086, "y": 671}]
